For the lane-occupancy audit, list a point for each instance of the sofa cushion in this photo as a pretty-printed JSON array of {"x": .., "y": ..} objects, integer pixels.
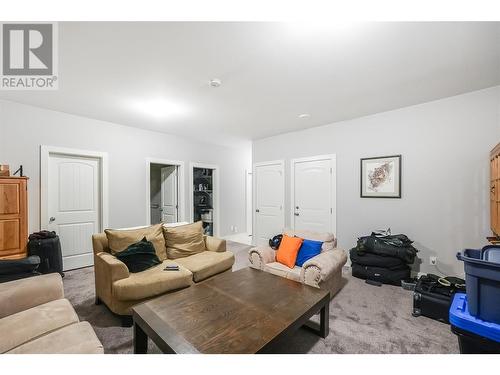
[
  {"x": 78, "y": 338},
  {"x": 185, "y": 240},
  {"x": 151, "y": 282},
  {"x": 207, "y": 263},
  {"x": 288, "y": 250},
  {"x": 279, "y": 269},
  {"x": 29, "y": 324},
  {"x": 308, "y": 250},
  {"x": 120, "y": 239},
  {"x": 327, "y": 238}
]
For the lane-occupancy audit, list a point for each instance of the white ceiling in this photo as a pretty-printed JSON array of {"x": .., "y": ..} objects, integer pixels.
[{"x": 271, "y": 72}]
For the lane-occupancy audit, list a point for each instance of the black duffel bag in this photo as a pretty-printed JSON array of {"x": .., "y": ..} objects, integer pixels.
[
  {"x": 383, "y": 275},
  {"x": 374, "y": 260},
  {"x": 397, "y": 246}
]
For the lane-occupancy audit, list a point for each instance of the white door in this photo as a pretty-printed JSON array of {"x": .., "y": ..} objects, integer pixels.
[
  {"x": 269, "y": 183},
  {"x": 312, "y": 194},
  {"x": 74, "y": 206},
  {"x": 169, "y": 203}
]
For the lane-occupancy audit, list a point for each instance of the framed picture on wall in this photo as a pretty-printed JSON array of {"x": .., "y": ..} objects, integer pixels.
[{"x": 381, "y": 177}]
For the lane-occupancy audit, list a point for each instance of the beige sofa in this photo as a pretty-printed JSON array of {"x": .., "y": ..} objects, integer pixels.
[
  {"x": 35, "y": 318},
  {"x": 120, "y": 290},
  {"x": 323, "y": 271}
]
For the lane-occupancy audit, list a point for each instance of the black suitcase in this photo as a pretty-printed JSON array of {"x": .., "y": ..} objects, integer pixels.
[
  {"x": 433, "y": 300},
  {"x": 49, "y": 251},
  {"x": 383, "y": 275},
  {"x": 374, "y": 260}
]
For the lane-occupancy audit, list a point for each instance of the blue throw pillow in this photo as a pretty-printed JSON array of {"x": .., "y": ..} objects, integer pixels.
[{"x": 308, "y": 250}]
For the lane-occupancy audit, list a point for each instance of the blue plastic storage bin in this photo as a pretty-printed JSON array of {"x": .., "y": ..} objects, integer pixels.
[
  {"x": 482, "y": 279},
  {"x": 474, "y": 335}
]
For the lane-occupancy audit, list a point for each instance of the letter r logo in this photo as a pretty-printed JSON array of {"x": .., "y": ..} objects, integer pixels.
[{"x": 27, "y": 49}]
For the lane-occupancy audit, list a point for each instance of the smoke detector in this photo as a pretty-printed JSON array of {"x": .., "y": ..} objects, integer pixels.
[
  {"x": 304, "y": 115},
  {"x": 215, "y": 82}
]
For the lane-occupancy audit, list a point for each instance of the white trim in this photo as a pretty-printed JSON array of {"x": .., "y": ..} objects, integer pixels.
[
  {"x": 281, "y": 163},
  {"x": 216, "y": 196},
  {"x": 181, "y": 213},
  {"x": 249, "y": 207},
  {"x": 333, "y": 176},
  {"x": 45, "y": 152}
]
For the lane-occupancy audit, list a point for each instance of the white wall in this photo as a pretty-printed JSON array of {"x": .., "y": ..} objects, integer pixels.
[
  {"x": 445, "y": 146},
  {"x": 24, "y": 128}
]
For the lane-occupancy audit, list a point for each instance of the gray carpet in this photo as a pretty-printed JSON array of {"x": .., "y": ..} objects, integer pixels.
[{"x": 363, "y": 319}]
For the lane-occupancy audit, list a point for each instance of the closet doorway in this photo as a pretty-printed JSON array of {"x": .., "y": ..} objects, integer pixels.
[
  {"x": 164, "y": 191},
  {"x": 204, "y": 197}
]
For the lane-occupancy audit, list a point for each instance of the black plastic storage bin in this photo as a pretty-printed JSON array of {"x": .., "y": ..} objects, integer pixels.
[
  {"x": 482, "y": 280},
  {"x": 469, "y": 343}
]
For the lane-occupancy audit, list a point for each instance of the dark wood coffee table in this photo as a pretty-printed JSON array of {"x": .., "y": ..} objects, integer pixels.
[{"x": 240, "y": 312}]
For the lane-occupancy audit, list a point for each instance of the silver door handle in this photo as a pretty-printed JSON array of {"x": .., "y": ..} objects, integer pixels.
[{"x": 52, "y": 219}]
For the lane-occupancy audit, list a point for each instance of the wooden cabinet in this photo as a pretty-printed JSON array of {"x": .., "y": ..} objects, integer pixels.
[
  {"x": 495, "y": 190},
  {"x": 13, "y": 217}
]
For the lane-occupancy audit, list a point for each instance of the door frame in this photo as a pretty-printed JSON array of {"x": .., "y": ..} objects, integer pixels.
[
  {"x": 215, "y": 181},
  {"x": 45, "y": 153},
  {"x": 249, "y": 205},
  {"x": 181, "y": 200},
  {"x": 280, "y": 162},
  {"x": 333, "y": 191}
]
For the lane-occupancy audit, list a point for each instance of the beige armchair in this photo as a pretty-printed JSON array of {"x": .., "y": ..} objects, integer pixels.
[
  {"x": 35, "y": 318},
  {"x": 323, "y": 271},
  {"x": 121, "y": 290}
]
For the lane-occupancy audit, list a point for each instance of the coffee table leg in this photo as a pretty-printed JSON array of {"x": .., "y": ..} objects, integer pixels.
[
  {"x": 324, "y": 321},
  {"x": 140, "y": 340}
]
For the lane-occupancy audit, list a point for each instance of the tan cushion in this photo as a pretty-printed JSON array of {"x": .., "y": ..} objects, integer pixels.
[
  {"x": 30, "y": 324},
  {"x": 207, "y": 263},
  {"x": 279, "y": 269},
  {"x": 151, "y": 282},
  {"x": 120, "y": 239},
  {"x": 78, "y": 338},
  {"x": 327, "y": 238},
  {"x": 184, "y": 240},
  {"x": 23, "y": 294}
]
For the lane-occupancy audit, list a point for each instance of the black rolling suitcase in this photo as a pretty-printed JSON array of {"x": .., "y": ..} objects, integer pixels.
[
  {"x": 391, "y": 276},
  {"x": 432, "y": 299},
  {"x": 48, "y": 247}
]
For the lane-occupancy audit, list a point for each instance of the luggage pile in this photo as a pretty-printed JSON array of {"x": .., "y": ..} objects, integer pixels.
[{"x": 383, "y": 257}]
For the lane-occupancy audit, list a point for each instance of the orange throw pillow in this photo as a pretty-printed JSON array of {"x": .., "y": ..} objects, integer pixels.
[{"x": 288, "y": 250}]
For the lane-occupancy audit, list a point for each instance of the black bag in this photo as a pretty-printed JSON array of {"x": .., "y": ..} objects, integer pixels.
[
  {"x": 397, "y": 246},
  {"x": 432, "y": 299},
  {"x": 49, "y": 251},
  {"x": 374, "y": 260},
  {"x": 14, "y": 269},
  {"x": 139, "y": 256},
  {"x": 383, "y": 275}
]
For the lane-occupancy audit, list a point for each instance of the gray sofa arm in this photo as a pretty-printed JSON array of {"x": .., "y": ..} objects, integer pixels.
[
  {"x": 320, "y": 268},
  {"x": 260, "y": 256}
]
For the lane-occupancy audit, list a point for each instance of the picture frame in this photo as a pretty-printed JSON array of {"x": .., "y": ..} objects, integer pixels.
[{"x": 380, "y": 177}]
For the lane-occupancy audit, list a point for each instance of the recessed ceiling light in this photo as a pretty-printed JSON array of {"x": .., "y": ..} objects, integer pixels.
[
  {"x": 159, "y": 107},
  {"x": 215, "y": 82},
  {"x": 304, "y": 115}
]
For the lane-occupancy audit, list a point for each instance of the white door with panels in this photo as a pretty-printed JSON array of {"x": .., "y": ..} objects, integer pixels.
[
  {"x": 269, "y": 197},
  {"x": 73, "y": 206},
  {"x": 313, "y": 194},
  {"x": 169, "y": 194}
]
